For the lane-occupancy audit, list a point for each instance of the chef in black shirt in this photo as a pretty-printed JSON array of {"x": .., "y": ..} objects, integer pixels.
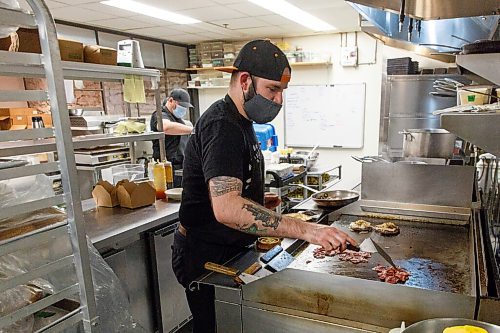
[
  {"x": 174, "y": 108},
  {"x": 223, "y": 207}
]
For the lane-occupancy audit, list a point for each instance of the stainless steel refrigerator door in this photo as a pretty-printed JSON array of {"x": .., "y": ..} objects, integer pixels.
[{"x": 174, "y": 310}]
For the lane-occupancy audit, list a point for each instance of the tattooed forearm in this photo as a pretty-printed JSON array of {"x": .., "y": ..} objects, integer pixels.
[
  {"x": 267, "y": 218},
  {"x": 222, "y": 185},
  {"x": 252, "y": 229}
]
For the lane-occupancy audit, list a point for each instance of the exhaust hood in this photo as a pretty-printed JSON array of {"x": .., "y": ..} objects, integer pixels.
[
  {"x": 435, "y": 10},
  {"x": 436, "y": 38}
]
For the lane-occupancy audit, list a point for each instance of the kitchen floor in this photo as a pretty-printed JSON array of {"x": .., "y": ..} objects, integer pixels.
[{"x": 188, "y": 328}]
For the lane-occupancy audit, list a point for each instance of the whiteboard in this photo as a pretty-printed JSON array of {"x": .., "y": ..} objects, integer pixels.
[{"x": 331, "y": 116}]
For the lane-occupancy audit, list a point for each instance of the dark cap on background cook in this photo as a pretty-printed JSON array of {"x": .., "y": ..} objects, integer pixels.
[
  {"x": 182, "y": 97},
  {"x": 263, "y": 59}
]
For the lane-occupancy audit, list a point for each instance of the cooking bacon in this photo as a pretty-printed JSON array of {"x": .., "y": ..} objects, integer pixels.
[
  {"x": 391, "y": 274},
  {"x": 347, "y": 255}
]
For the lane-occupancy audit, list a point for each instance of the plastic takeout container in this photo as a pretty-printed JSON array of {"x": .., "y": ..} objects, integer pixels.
[
  {"x": 474, "y": 95},
  {"x": 127, "y": 171}
]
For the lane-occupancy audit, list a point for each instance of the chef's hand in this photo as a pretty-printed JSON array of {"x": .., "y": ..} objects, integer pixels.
[
  {"x": 329, "y": 238},
  {"x": 271, "y": 200}
]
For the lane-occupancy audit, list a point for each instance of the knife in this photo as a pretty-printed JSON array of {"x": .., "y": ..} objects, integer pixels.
[{"x": 383, "y": 253}]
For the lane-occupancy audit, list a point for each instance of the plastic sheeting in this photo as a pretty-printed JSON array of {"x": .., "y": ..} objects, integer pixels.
[{"x": 111, "y": 300}]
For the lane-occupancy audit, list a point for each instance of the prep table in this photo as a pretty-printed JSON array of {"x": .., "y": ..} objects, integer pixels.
[{"x": 136, "y": 244}]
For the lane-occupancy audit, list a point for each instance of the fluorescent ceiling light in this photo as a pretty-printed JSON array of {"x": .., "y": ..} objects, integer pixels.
[
  {"x": 291, "y": 12},
  {"x": 140, "y": 8}
]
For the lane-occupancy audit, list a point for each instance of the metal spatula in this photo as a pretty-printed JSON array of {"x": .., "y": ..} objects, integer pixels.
[{"x": 368, "y": 245}]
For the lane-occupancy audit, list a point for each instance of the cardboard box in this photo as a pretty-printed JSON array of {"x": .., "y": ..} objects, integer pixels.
[
  {"x": 29, "y": 41},
  {"x": 105, "y": 194},
  {"x": 71, "y": 50},
  {"x": 5, "y": 123},
  {"x": 20, "y": 118},
  {"x": 96, "y": 54},
  {"x": 134, "y": 195}
]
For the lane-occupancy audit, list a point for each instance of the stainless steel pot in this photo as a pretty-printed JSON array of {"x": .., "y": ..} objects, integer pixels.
[
  {"x": 428, "y": 142},
  {"x": 438, "y": 325}
]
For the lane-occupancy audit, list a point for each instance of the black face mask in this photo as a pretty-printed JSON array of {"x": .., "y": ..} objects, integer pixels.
[{"x": 258, "y": 108}]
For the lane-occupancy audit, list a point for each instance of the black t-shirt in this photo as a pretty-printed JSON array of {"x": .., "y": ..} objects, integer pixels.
[
  {"x": 171, "y": 141},
  {"x": 223, "y": 144}
]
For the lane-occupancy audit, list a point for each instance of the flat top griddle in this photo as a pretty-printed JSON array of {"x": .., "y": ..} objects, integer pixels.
[{"x": 436, "y": 255}]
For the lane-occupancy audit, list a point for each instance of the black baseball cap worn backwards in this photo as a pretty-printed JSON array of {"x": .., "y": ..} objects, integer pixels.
[{"x": 263, "y": 59}]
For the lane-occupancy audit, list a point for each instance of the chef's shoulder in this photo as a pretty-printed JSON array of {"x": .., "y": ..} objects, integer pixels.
[{"x": 217, "y": 118}]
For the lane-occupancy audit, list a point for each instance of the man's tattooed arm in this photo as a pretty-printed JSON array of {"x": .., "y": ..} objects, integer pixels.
[
  {"x": 267, "y": 217},
  {"x": 239, "y": 213},
  {"x": 222, "y": 185}
]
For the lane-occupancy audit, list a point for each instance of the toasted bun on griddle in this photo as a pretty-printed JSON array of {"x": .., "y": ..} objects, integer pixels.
[
  {"x": 360, "y": 225},
  {"x": 387, "y": 229}
]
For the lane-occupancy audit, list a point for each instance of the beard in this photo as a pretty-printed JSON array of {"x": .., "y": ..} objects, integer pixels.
[{"x": 250, "y": 93}]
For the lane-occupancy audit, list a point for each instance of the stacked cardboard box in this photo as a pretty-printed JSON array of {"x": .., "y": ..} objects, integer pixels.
[{"x": 20, "y": 118}]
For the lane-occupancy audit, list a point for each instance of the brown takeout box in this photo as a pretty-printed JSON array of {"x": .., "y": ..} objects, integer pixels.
[
  {"x": 134, "y": 195},
  {"x": 96, "y": 54},
  {"x": 105, "y": 194}
]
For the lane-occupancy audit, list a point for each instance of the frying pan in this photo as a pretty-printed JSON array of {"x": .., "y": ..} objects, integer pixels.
[{"x": 335, "y": 198}]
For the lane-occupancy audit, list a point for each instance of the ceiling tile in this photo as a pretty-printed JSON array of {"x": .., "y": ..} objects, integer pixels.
[
  {"x": 190, "y": 28},
  {"x": 226, "y": 2},
  {"x": 175, "y": 5},
  {"x": 151, "y": 20},
  {"x": 159, "y": 32},
  {"x": 121, "y": 23},
  {"x": 275, "y": 19},
  {"x": 318, "y": 4},
  {"x": 78, "y": 2},
  {"x": 54, "y": 4},
  {"x": 108, "y": 9},
  {"x": 241, "y": 23},
  {"x": 249, "y": 9},
  {"x": 212, "y": 13},
  {"x": 263, "y": 32},
  {"x": 78, "y": 14},
  {"x": 188, "y": 38}
]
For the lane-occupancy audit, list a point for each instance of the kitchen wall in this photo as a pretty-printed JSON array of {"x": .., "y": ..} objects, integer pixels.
[
  {"x": 12, "y": 83},
  {"x": 372, "y": 57}
]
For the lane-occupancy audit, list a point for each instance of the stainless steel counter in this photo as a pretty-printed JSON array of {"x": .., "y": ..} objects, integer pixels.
[{"x": 109, "y": 227}]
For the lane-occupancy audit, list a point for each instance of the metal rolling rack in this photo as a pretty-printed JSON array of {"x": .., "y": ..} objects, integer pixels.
[{"x": 59, "y": 139}]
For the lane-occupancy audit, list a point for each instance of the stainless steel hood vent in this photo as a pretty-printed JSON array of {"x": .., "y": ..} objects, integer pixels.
[
  {"x": 436, "y": 9},
  {"x": 426, "y": 37}
]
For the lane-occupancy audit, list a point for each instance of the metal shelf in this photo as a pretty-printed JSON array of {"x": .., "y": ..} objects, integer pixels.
[
  {"x": 23, "y": 95},
  {"x": 14, "y": 17},
  {"x": 30, "y": 206},
  {"x": 482, "y": 130},
  {"x": 28, "y": 170},
  {"x": 485, "y": 65},
  {"x": 315, "y": 63},
  {"x": 26, "y": 147},
  {"x": 27, "y": 134},
  {"x": 209, "y": 87},
  {"x": 35, "y": 238},
  {"x": 37, "y": 306},
  {"x": 30, "y": 64}
]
